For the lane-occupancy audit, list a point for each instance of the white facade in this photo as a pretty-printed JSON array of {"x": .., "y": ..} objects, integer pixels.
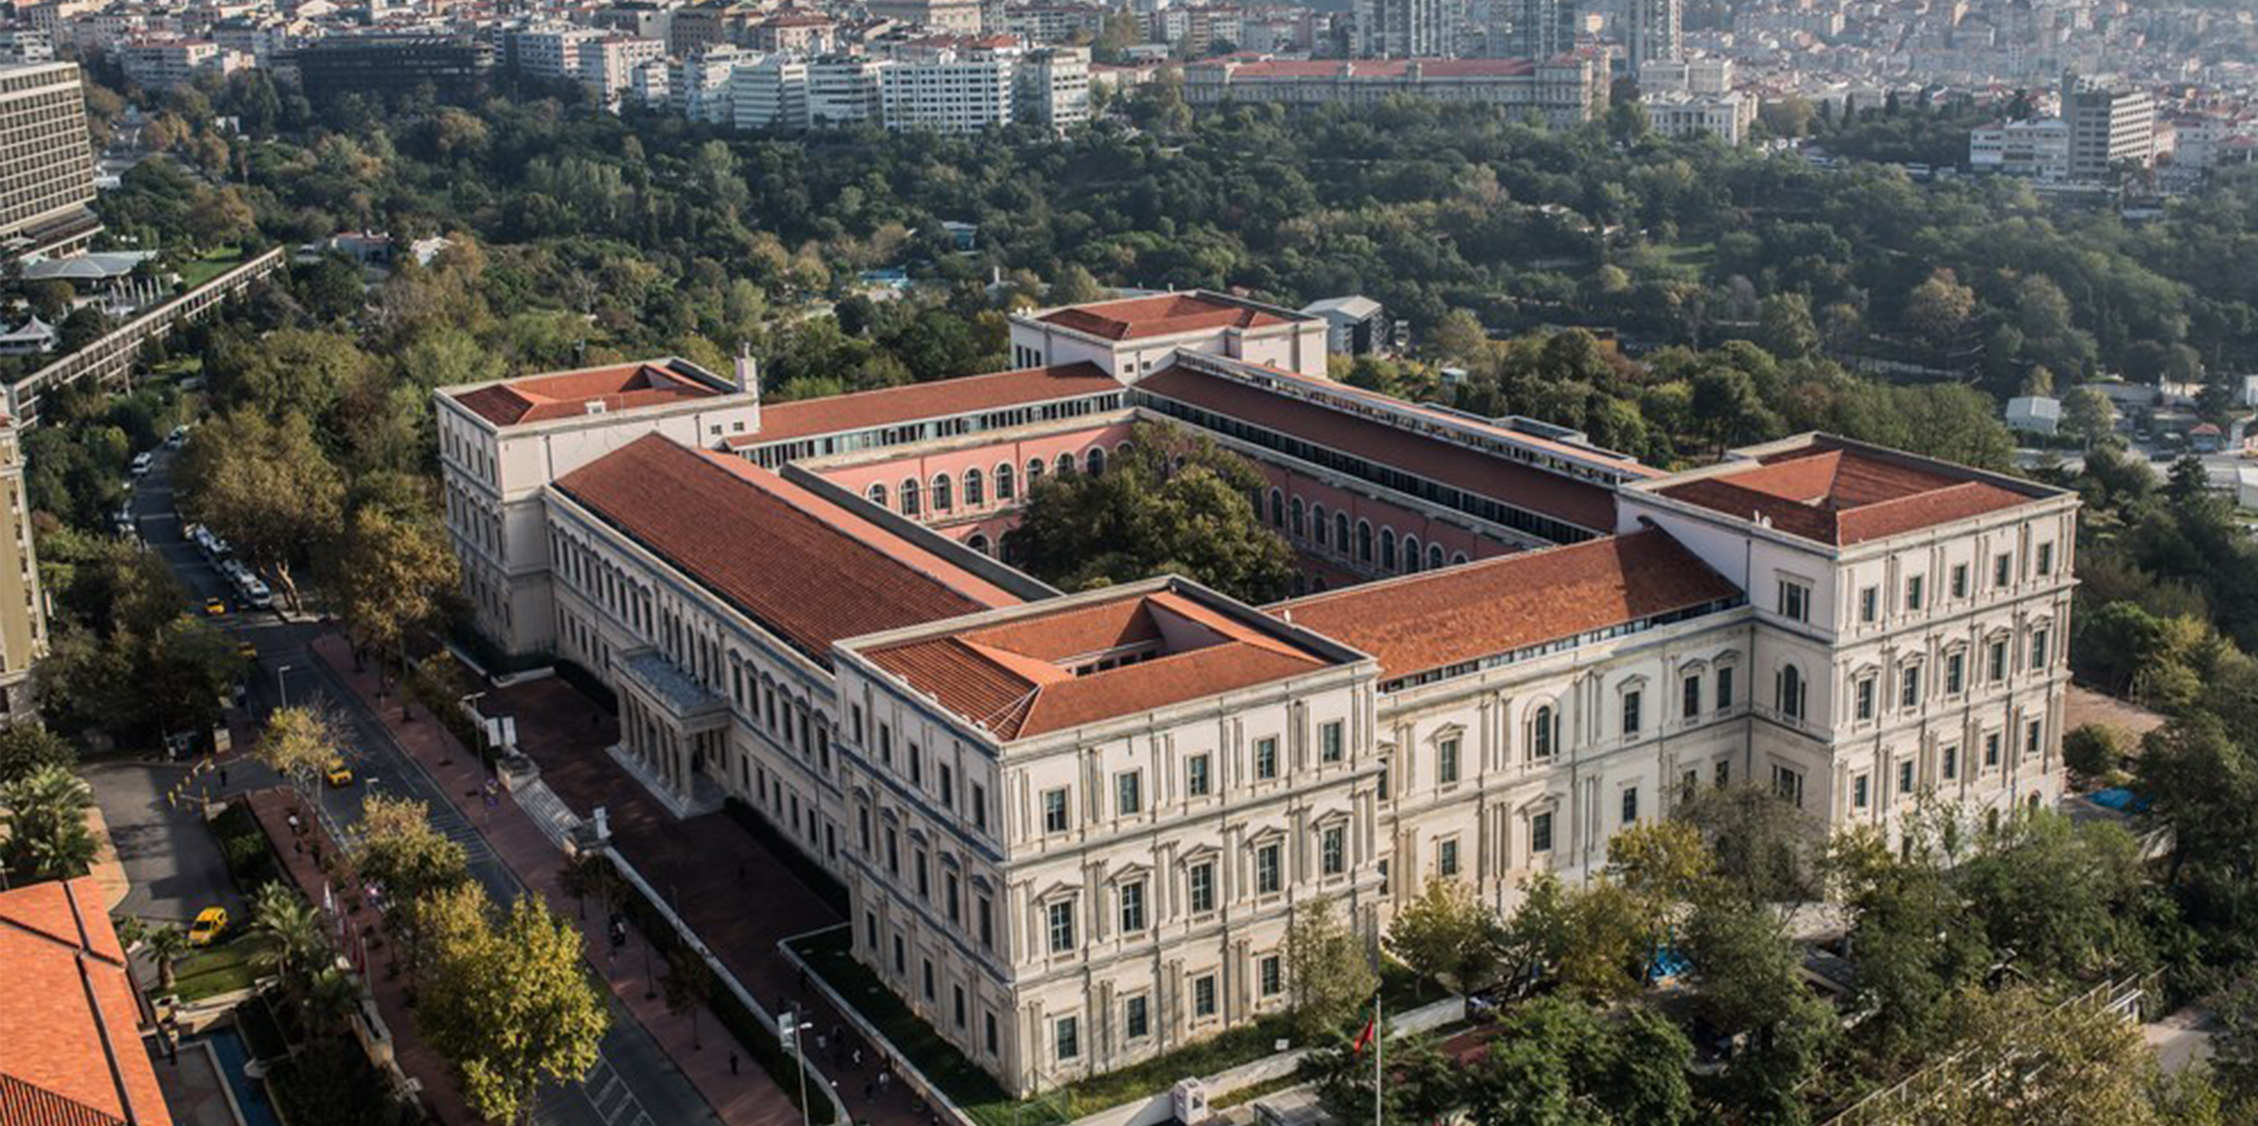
[
  {"x": 608, "y": 64},
  {"x": 770, "y": 93},
  {"x": 2038, "y": 147},
  {"x": 2109, "y": 125},
  {"x": 844, "y": 92},
  {"x": 950, "y": 94},
  {"x": 552, "y": 52},
  {"x": 1726, "y": 117}
]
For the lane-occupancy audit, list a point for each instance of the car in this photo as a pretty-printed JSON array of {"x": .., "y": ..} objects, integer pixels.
[
  {"x": 210, "y": 923},
  {"x": 215, "y": 606},
  {"x": 141, "y": 464},
  {"x": 338, "y": 773},
  {"x": 246, "y": 650},
  {"x": 258, "y": 596},
  {"x": 179, "y": 435}
]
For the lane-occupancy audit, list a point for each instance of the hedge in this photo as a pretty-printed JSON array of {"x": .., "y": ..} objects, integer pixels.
[{"x": 810, "y": 874}]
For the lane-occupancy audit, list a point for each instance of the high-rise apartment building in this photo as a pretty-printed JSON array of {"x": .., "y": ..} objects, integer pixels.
[
  {"x": 1407, "y": 29},
  {"x": 2111, "y": 125},
  {"x": 46, "y": 160},
  {"x": 1653, "y": 31},
  {"x": 1532, "y": 29}
]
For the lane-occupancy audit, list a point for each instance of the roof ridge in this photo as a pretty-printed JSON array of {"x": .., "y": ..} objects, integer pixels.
[{"x": 60, "y": 1109}]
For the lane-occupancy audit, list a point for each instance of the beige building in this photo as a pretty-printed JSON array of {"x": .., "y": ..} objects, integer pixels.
[
  {"x": 46, "y": 160},
  {"x": 1075, "y": 828},
  {"x": 23, "y": 606}
]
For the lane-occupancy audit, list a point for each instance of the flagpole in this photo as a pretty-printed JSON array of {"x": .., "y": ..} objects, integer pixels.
[{"x": 1379, "y": 1048}]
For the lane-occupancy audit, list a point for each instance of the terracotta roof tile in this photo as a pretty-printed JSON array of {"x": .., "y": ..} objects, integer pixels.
[
  {"x": 941, "y": 398},
  {"x": 541, "y": 398},
  {"x": 1842, "y": 496},
  {"x": 1581, "y": 503},
  {"x": 1134, "y": 318},
  {"x": 1465, "y": 613},
  {"x": 70, "y": 1022},
  {"x": 805, "y": 568}
]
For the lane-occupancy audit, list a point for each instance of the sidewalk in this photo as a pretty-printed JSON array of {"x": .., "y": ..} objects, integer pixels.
[
  {"x": 749, "y": 1098},
  {"x": 710, "y": 871}
]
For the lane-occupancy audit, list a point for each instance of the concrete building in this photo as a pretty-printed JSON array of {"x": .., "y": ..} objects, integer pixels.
[
  {"x": 701, "y": 86},
  {"x": 2110, "y": 125},
  {"x": 608, "y": 63},
  {"x": 47, "y": 174},
  {"x": 950, "y": 92},
  {"x": 1532, "y": 29},
  {"x": 957, "y": 17},
  {"x": 23, "y": 605},
  {"x": 454, "y": 67},
  {"x": 845, "y": 91},
  {"x": 770, "y": 93},
  {"x": 2037, "y": 147},
  {"x": 1727, "y": 116},
  {"x": 552, "y": 51},
  {"x": 22, "y": 45},
  {"x": 1074, "y": 828},
  {"x": 1054, "y": 86},
  {"x": 1653, "y": 31},
  {"x": 1407, "y": 29},
  {"x": 165, "y": 62},
  {"x": 1354, "y": 326},
  {"x": 1565, "y": 92},
  {"x": 2034, "y": 414}
]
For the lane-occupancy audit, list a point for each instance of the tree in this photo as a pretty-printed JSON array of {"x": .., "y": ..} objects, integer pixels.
[
  {"x": 1175, "y": 502},
  {"x": 1559, "y": 1061},
  {"x": 26, "y": 747},
  {"x": 298, "y": 744},
  {"x": 508, "y": 1002},
  {"x": 267, "y": 488},
  {"x": 393, "y": 577},
  {"x": 1448, "y": 935},
  {"x": 1785, "y": 328},
  {"x": 1907, "y": 938},
  {"x": 1459, "y": 338},
  {"x": 1591, "y": 940},
  {"x": 2060, "y": 894},
  {"x": 167, "y": 944},
  {"x": 2090, "y": 750},
  {"x": 403, "y": 854},
  {"x": 47, "y": 838},
  {"x": 2234, "y": 1044},
  {"x": 1938, "y": 309},
  {"x": 1327, "y": 971},
  {"x": 689, "y": 985},
  {"x": 2088, "y": 415},
  {"x": 1762, "y": 844},
  {"x": 297, "y": 944},
  {"x": 2044, "y": 1062}
]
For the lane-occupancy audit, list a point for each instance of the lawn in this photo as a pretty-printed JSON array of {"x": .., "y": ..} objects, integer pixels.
[
  {"x": 210, "y": 264},
  {"x": 214, "y": 970}
]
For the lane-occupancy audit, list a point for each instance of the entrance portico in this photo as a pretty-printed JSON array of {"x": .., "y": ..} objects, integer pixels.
[{"x": 672, "y": 732}]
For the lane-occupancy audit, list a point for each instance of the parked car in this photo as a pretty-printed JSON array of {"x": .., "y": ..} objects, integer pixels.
[
  {"x": 210, "y": 923},
  {"x": 141, "y": 463}
]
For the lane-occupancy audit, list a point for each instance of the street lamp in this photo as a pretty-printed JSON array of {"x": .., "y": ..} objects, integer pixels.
[
  {"x": 281, "y": 688},
  {"x": 788, "y": 1029}
]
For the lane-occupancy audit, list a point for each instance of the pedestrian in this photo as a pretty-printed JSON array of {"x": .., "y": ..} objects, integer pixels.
[
  {"x": 732, "y": 1063},
  {"x": 223, "y": 778},
  {"x": 885, "y": 1076},
  {"x": 838, "y": 1034},
  {"x": 822, "y": 1043},
  {"x": 858, "y": 1059},
  {"x": 293, "y": 824}
]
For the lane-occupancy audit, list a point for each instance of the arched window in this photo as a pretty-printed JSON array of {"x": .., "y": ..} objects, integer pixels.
[
  {"x": 1277, "y": 509},
  {"x": 1411, "y": 554},
  {"x": 943, "y": 495},
  {"x": 1122, "y": 450},
  {"x": 877, "y": 495},
  {"x": 1388, "y": 549},
  {"x": 1458, "y": 560},
  {"x": 1543, "y": 733},
  {"x": 1295, "y": 517},
  {"x": 909, "y": 496},
  {"x": 1065, "y": 464},
  {"x": 975, "y": 488},
  {"x": 1364, "y": 541},
  {"x": 1434, "y": 557},
  {"x": 1095, "y": 460},
  {"x": 1317, "y": 524},
  {"x": 1003, "y": 481},
  {"x": 1790, "y": 692},
  {"x": 1034, "y": 471},
  {"x": 1341, "y": 532},
  {"x": 978, "y": 543}
]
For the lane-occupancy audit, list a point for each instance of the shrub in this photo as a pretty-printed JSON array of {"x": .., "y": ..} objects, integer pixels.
[{"x": 2091, "y": 750}]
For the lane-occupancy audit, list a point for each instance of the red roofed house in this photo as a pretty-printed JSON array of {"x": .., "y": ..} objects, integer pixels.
[
  {"x": 1074, "y": 828},
  {"x": 71, "y": 1021}
]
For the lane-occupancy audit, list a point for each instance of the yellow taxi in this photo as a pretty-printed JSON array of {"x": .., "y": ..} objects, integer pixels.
[
  {"x": 209, "y": 924},
  {"x": 337, "y": 773},
  {"x": 214, "y": 607},
  {"x": 246, "y": 650}
]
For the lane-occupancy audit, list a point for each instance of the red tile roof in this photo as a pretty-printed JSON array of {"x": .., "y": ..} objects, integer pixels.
[
  {"x": 941, "y": 398},
  {"x": 806, "y": 569},
  {"x": 1460, "y": 614},
  {"x": 1165, "y": 314},
  {"x": 1842, "y": 496},
  {"x": 1018, "y": 679},
  {"x": 71, "y": 1052},
  {"x": 540, "y": 398},
  {"x": 1581, "y": 503}
]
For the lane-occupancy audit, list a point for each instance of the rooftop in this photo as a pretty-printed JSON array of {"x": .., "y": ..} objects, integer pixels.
[
  {"x": 1440, "y": 619},
  {"x": 1145, "y": 648},
  {"x": 569, "y": 394},
  {"x": 1837, "y": 493},
  {"x": 941, "y": 398},
  {"x": 1377, "y": 69},
  {"x": 1582, "y": 503},
  {"x": 807, "y": 570},
  {"x": 1165, "y": 314},
  {"x": 73, "y": 1054}
]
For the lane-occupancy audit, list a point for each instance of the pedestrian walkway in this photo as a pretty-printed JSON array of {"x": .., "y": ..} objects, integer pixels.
[{"x": 741, "y": 1096}]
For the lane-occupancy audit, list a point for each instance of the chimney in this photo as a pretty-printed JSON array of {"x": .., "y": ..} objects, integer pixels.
[{"x": 748, "y": 379}]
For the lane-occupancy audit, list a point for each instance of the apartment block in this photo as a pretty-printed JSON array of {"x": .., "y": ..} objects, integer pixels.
[
  {"x": 2110, "y": 125},
  {"x": 47, "y": 172},
  {"x": 1565, "y": 92},
  {"x": 23, "y": 605}
]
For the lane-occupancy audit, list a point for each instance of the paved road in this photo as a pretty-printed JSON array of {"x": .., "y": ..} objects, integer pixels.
[{"x": 633, "y": 1083}]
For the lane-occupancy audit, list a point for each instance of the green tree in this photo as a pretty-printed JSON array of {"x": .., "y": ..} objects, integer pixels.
[
  {"x": 296, "y": 941},
  {"x": 27, "y": 747},
  {"x": 267, "y": 488},
  {"x": 1785, "y": 328},
  {"x": 509, "y": 1003},
  {"x": 45, "y": 814},
  {"x": 1328, "y": 973},
  {"x": 167, "y": 944},
  {"x": 2088, "y": 416},
  {"x": 689, "y": 985},
  {"x": 1448, "y": 935},
  {"x": 2091, "y": 751},
  {"x": 393, "y": 577},
  {"x": 298, "y": 744},
  {"x": 401, "y": 852}
]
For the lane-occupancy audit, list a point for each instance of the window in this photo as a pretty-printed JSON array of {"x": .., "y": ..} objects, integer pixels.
[
  {"x": 988, "y": 1023},
  {"x": 909, "y": 497},
  {"x": 1200, "y": 881},
  {"x": 1540, "y": 832},
  {"x": 901, "y": 956},
  {"x": 1266, "y": 758},
  {"x": 1631, "y": 701},
  {"x": 1446, "y": 762},
  {"x": 1541, "y": 733},
  {"x": 893, "y": 851},
  {"x": 1724, "y": 773},
  {"x": 1133, "y": 907},
  {"x": 916, "y": 765},
  {"x": 1949, "y": 767},
  {"x": 1904, "y": 777},
  {"x": 1789, "y": 692},
  {"x": 942, "y": 501},
  {"x": 2002, "y": 570},
  {"x": 1333, "y": 850},
  {"x": 1997, "y": 660},
  {"x": 1094, "y": 461},
  {"x": 1062, "y": 926},
  {"x": 1268, "y": 877},
  {"x": 1363, "y": 542},
  {"x": 1329, "y": 743},
  {"x": 2038, "y": 650},
  {"x": 1862, "y": 697},
  {"x": 1296, "y": 517},
  {"x": 1795, "y": 601},
  {"x": 1991, "y": 750},
  {"x": 952, "y": 899},
  {"x": 1955, "y": 672},
  {"x": 1858, "y": 794},
  {"x": 1003, "y": 481},
  {"x": 925, "y": 972},
  {"x": 877, "y": 495},
  {"x": 1196, "y": 779},
  {"x": 979, "y": 807},
  {"x": 1788, "y": 784},
  {"x": 885, "y": 744},
  {"x": 1136, "y": 1021},
  {"x": 984, "y": 913},
  {"x": 1270, "y": 972},
  {"x": 1277, "y": 509},
  {"x": 1446, "y": 857},
  {"x": 1068, "y": 1037},
  {"x": 1065, "y": 464},
  {"x": 956, "y": 1003},
  {"x": 1869, "y": 604},
  {"x": 2045, "y": 559},
  {"x": 1631, "y": 805},
  {"x": 1054, "y": 811},
  {"x": 975, "y": 489},
  {"x": 1341, "y": 532},
  {"x": 1909, "y": 687},
  {"x": 1034, "y": 471},
  {"x": 1388, "y": 548},
  {"x": 1913, "y": 591},
  {"x": 2033, "y": 738},
  {"x": 1690, "y": 691},
  {"x": 1128, "y": 794},
  {"x": 1724, "y": 687},
  {"x": 1960, "y": 580},
  {"x": 1203, "y": 995}
]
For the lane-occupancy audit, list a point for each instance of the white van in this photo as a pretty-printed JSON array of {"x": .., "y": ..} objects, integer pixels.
[{"x": 141, "y": 464}]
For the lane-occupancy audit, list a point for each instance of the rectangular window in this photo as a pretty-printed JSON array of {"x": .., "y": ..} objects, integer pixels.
[
  {"x": 1691, "y": 696},
  {"x": 1128, "y": 794},
  {"x": 1998, "y": 662},
  {"x": 1133, "y": 907},
  {"x": 948, "y": 787},
  {"x": 1196, "y": 780},
  {"x": 1136, "y": 1020},
  {"x": 1904, "y": 777},
  {"x": 1330, "y": 746},
  {"x": 1333, "y": 850},
  {"x": 1062, "y": 926},
  {"x": 885, "y": 745},
  {"x": 1723, "y": 773},
  {"x": 2033, "y": 738},
  {"x": 1266, "y": 758},
  {"x": 1795, "y": 601},
  {"x": 925, "y": 968},
  {"x": 1914, "y": 591},
  {"x": 916, "y": 765},
  {"x": 1631, "y": 702},
  {"x": 2038, "y": 650},
  {"x": 1540, "y": 832},
  {"x": 988, "y": 1026},
  {"x": 1201, "y": 881},
  {"x": 1054, "y": 811},
  {"x": 1858, "y": 793},
  {"x": 2003, "y": 570},
  {"x": 1991, "y": 750},
  {"x": 1069, "y": 1038},
  {"x": 984, "y": 913},
  {"x": 1724, "y": 688},
  {"x": 1203, "y": 995},
  {"x": 2046, "y": 559},
  {"x": 1955, "y": 673},
  {"x": 1960, "y": 580},
  {"x": 1631, "y": 806},
  {"x": 950, "y": 895},
  {"x": 1269, "y": 878},
  {"x": 1271, "y": 972},
  {"x": 1788, "y": 784},
  {"x": 1446, "y": 857},
  {"x": 1909, "y": 687},
  {"x": 1869, "y": 604},
  {"x": 1446, "y": 762},
  {"x": 956, "y": 1003},
  {"x": 1863, "y": 698},
  {"x": 979, "y": 807},
  {"x": 1950, "y": 768}
]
